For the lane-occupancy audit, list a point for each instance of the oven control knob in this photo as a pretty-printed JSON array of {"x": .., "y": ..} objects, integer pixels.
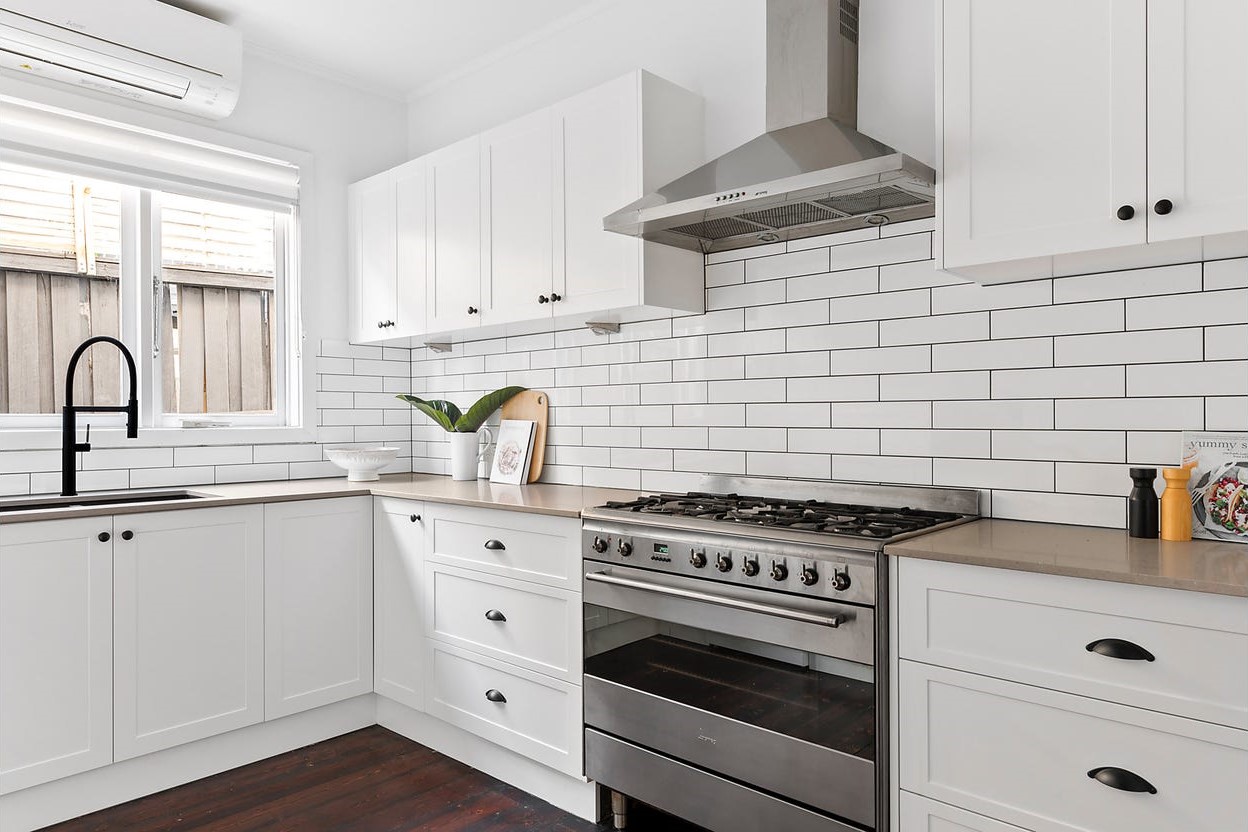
[
  {"x": 723, "y": 562},
  {"x": 625, "y": 548},
  {"x": 698, "y": 559},
  {"x": 810, "y": 575},
  {"x": 840, "y": 581},
  {"x": 750, "y": 567},
  {"x": 779, "y": 571},
  {"x": 600, "y": 544}
]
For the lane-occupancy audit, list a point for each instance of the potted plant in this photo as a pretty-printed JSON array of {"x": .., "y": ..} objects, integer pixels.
[{"x": 466, "y": 450}]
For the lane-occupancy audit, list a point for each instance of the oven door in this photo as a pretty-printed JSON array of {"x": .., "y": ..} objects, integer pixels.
[{"x": 772, "y": 691}]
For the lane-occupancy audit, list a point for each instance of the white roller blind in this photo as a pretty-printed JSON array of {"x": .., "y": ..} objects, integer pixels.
[{"x": 136, "y": 156}]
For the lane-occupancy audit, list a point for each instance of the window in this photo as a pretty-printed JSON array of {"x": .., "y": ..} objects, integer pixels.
[{"x": 74, "y": 253}]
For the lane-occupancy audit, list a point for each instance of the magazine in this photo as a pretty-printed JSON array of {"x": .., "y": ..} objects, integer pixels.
[
  {"x": 514, "y": 451},
  {"x": 1219, "y": 484}
]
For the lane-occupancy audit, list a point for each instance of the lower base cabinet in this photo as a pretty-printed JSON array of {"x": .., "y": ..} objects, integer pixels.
[
  {"x": 188, "y": 626},
  {"x": 918, "y": 814},
  {"x": 398, "y": 568}
]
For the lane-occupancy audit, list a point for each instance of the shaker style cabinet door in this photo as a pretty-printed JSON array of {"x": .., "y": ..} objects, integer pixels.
[
  {"x": 373, "y": 229},
  {"x": 411, "y": 259},
  {"x": 517, "y": 232},
  {"x": 398, "y": 636},
  {"x": 56, "y": 649},
  {"x": 453, "y": 198},
  {"x": 188, "y": 625},
  {"x": 1044, "y": 142},
  {"x": 318, "y": 603},
  {"x": 1197, "y": 118}
]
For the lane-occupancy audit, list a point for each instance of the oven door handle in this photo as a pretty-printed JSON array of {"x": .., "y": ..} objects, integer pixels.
[{"x": 833, "y": 620}]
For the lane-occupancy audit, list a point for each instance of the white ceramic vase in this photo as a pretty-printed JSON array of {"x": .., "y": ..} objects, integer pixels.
[{"x": 467, "y": 453}]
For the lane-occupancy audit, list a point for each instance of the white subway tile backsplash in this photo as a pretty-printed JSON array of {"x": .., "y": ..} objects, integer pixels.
[
  {"x": 751, "y": 390},
  {"x": 1058, "y": 383},
  {"x": 640, "y": 415},
  {"x": 937, "y": 329},
  {"x": 1196, "y": 378},
  {"x": 972, "y": 297},
  {"x": 1194, "y": 309},
  {"x": 803, "y": 313},
  {"x": 834, "y": 284},
  {"x": 993, "y": 355},
  {"x": 725, "y": 274},
  {"x": 607, "y": 437},
  {"x": 626, "y": 478},
  {"x": 789, "y": 414},
  {"x": 1067, "y": 319},
  {"x": 746, "y": 294},
  {"x": 722, "y": 415},
  {"x": 841, "y": 238},
  {"x": 748, "y": 439},
  {"x": 1143, "y": 347},
  {"x": 810, "y": 261},
  {"x": 745, "y": 253},
  {"x": 890, "y": 469},
  {"x": 914, "y": 359},
  {"x": 745, "y": 343},
  {"x": 723, "y": 320},
  {"x": 801, "y": 466},
  {"x": 652, "y": 459},
  {"x": 710, "y": 462},
  {"x": 675, "y": 437},
  {"x": 1021, "y": 415},
  {"x": 1226, "y": 413},
  {"x": 787, "y": 365},
  {"x": 647, "y": 372},
  {"x": 1224, "y": 342},
  {"x": 882, "y": 414},
  {"x": 934, "y": 386},
  {"x": 677, "y": 392},
  {"x": 693, "y": 346},
  {"x": 1163, "y": 280},
  {"x": 835, "y": 389},
  {"x": 1092, "y": 478},
  {"x": 213, "y": 455},
  {"x": 993, "y": 473},
  {"x": 920, "y": 274},
  {"x": 706, "y": 369},
  {"x": 1226, "y": 274},
  {"x": 1076, "y": 509},
  {"x": 1130, "y": 414},
  {"x": 1067, "y": 445},
  {"x": 887, "y": 250},
  {"x": 834, "y": 336},
  {"x": 888, "y": 306},
  {"x": 835, "y": 440},
  {"x": 1155, "y": 448},
  {"x": 974, "y": 444}
]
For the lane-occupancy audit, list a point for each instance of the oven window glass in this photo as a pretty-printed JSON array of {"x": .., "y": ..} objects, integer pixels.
[{"x": 820, "y": 699}]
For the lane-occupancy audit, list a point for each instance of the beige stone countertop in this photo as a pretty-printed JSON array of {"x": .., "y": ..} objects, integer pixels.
[
  {"x": 1086, "y": 552},
  {"x": 535, "y": 498}
]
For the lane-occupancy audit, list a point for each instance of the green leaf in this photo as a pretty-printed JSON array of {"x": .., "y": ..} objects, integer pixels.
[
  {"x": 471, "y": 421},
  {"x": 445, "y": 413}
]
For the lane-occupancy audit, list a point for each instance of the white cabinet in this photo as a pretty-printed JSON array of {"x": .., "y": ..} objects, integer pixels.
[
  {"x": 188, "y": 625},
  {"x": 318, "y": 603},
  {"x": 517, "y": 231},
  {"x": 386, "y": 230},
  {"x": 56, "y": 649},
  {"x": 398, "y": 634},
  {"x": 918, "y": 814},
  {"x": 453, "y": 200},
  {"x": 613, "y": 144},
  {"x": 1050, "y": 151}
]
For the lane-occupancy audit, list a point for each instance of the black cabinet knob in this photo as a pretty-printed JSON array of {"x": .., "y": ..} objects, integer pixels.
[
  {"x": 495, "y": 545},
  {"x": 127, "y": 535},
  {"x": 495, "y": 695},
  {"x": 555, "y": 298},
  {"x": 543, "y": 299},
  {"x": 1116, "y": 648},
  {"x": 495, "y": 615},
  {"x": 1121, "y": 779},
  {"x": 472, "y": 310},
  {"x": 1163, "y": 206},
  {"x": 104, "y": 537},
  {"x": 415, "y": 518},
  {"x": 1126, "y": 212}
]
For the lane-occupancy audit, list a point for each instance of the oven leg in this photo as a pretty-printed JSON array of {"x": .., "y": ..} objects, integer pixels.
[{"x": 619, "y": 810}]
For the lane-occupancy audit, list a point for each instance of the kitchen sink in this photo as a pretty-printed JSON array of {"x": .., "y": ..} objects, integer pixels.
[{"x": 95, "y": 500}]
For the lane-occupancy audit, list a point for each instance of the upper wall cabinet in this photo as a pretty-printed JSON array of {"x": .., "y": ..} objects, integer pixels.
[
  {"x": 512, "y": 227},
  {"x": 1084, "y": 125},
  {"x": 387, "y": 228}
]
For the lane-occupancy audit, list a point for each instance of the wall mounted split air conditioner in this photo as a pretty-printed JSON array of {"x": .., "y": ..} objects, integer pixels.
[{"x": 142, "y": 50}]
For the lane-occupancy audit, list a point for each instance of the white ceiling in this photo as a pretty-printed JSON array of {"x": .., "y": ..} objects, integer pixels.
[{"x": 396, "y": 47}]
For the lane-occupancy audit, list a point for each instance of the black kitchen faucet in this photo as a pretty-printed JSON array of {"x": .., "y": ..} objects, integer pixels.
[{"x": 69, "y": 413}]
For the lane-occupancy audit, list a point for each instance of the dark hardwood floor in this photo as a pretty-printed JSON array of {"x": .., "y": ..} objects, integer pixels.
[{"x": 371, "y": 780}]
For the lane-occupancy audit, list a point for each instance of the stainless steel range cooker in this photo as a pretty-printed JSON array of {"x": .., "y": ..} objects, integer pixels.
[{"x": 736, "y": 649}]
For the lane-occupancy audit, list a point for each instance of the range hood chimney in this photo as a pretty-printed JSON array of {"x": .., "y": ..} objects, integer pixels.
[{"x": 811, "y": 173}]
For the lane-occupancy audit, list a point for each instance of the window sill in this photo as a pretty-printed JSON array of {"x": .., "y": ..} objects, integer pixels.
[{"x": 35, "y": 439}]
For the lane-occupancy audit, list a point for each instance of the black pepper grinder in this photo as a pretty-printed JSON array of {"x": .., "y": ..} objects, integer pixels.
[{"x": 1142, "y": 505}]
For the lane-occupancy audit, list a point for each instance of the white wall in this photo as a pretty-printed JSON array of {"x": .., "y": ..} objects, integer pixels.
[
  {"x": 349, "y": 133},
  {"x": 712, "y": 47}
]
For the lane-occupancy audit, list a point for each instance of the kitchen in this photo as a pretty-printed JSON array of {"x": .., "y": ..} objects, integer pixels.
[{"x": 831, "y": 526}]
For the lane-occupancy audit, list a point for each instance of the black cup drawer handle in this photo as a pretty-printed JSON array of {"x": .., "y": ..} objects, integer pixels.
[
  {"x": 495, "y": 545},
  {"x": 495, "y": 615},
  {"x": 1116, "y": 648},
  {"x": 495, "y": 695},
  {"x": 1121, "y": 779}
]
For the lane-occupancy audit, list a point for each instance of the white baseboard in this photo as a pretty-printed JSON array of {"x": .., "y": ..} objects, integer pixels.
[
  {"x": 90, "y": 791},
  {"x": 571, "y": 794}
]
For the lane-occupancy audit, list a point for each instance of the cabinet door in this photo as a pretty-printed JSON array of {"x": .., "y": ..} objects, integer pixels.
[
  {"x": 374, "y": 251},
  {"x": 1043, "y": 128},
  {"x": 398, "y": 640},
  {"x": 1197, "y": 117},
  {"x": 454, "y": 206},
  {"x": 412, "y": 250},
  {"x": 56, "y": 648},
  {"x": 597, "y": 171},
  {"x": 318, "y": 603},
  {"x": 918, "y": 814},
  {"x": 188, "y": 659},
  {"x": 516, "y": 220}
]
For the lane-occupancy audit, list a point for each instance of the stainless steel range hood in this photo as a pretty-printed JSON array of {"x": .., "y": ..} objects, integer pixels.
[{"x": 811, "y": 173}]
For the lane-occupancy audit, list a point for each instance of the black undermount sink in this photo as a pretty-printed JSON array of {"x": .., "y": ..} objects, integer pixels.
[{"x": 94, "y": 500}]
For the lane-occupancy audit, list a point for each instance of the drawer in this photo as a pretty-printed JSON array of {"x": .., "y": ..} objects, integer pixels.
[
  {"x": 918, "y": 814},
  {"x": 540, "y": 719},
  {"x": 1023, "y": 755},
  {"x": 532, "y": 547},
  {"x": 527, "y": 624},
  {"x": 1037, "y": 629}
]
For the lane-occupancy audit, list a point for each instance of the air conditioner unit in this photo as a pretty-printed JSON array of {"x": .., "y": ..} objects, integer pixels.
[{"x": 142, "y": 50}]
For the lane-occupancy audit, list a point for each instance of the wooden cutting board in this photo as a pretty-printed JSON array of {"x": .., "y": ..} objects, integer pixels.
[{"x": 533, "y": 405}]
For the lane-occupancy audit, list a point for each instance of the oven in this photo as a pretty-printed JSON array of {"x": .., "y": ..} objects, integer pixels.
[{"x": 713, "y": 695}]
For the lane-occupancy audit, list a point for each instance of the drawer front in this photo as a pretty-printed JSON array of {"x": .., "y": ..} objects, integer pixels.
[
  {"x": 918, "y": 814},
  {"x": 540, "y": 719},
  {"x": 530, "y": 547},
  {"x": 1042, "y": 626},
  {"x": 527, "y": 624},
  {"x": 1023, "y": 755}
]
